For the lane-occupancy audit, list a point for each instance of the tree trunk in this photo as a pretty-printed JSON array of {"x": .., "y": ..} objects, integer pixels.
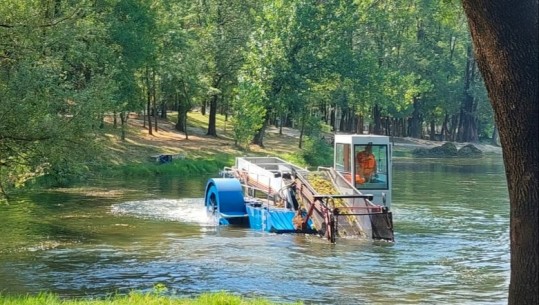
[
  {"x": 181, "y": 123},
  {"x": 164, "y": 110},
  {"x": 417, "y": 121},
  {"x": 149, "y": 101},
  {"x": 143, "y": 117},
  {"x": 302, "y": 130},
  {"x": 359, "y": 125},
  {"x": 154, "y": 99},
  {"x": 505, "y": 37},
  {"x": 123, "y": 120},
  {"x": 445, "y": 130},
  {"x": 432, "y": 134},
  {"x": 183, "y": 105},
  {"x": 212, "y": 130},
  {"x": 377, "y": 119},
  {"x": 281, "y": 122},
  {"x": 154, "y": 110},
  {"x": 101, "y": 121},
  {"x": 401, "y": 130},
  {"x": 258, "y": 138},
  {"x": 395, "y": 126},
  {"x": 468, "y": 117}
]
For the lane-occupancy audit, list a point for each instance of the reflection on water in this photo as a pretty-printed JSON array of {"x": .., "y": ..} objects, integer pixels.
[{"x": 451, "y": 229}]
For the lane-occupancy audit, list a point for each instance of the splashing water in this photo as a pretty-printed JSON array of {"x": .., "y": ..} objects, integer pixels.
[{"x": 187, "y": 210}]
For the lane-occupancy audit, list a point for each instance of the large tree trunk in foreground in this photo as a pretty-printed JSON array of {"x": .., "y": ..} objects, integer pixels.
[{"x": 505, "y": 37}]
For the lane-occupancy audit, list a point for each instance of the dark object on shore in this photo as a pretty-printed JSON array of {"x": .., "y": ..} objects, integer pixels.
[
  {"x": 448, "y": 150},
  {"x": 470, "y": 151}
]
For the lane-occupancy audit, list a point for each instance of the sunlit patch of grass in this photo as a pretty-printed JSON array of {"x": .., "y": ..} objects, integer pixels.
[
  {"x": 224, "y": 127},
  {"x": 135, "y": 298},
  {"x": 132, "y": 149},
  {"x": 196, "y": 119}
]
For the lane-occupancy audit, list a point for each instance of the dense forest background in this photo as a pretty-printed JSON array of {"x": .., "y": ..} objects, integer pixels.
[{"x": 399, "y": 68}]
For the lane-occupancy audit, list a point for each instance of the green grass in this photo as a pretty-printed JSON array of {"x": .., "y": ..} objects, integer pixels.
[
  {"x": 203, "y": 164},
  {"x": 195, "y": 119},
  {"x": 218, "y": 298},
  {"x": 199, "y": 165}
]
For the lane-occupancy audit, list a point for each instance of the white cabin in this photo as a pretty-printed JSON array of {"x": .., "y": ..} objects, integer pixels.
[{"x": 348, "y": 146}]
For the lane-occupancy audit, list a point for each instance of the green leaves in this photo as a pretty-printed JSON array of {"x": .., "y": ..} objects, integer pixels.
[
  {"x": 64, "y": 64},
  {"x": 53, "y": 86},
  {"x": 249, "y": 112}
]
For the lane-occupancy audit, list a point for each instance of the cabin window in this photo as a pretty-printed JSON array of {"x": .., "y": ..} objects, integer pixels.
[
  {"x": 342, "y": 158},
  {"x": 371, "y": 173}
]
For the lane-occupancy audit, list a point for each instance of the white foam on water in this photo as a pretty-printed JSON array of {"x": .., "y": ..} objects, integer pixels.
[{"x": 188, "y": 210}]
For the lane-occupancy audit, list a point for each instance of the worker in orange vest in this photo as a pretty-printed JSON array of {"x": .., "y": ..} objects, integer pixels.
[{"x": 365, "y": 165}]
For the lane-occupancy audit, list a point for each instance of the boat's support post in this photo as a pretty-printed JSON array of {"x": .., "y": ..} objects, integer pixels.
[
  {"x": 335, "y": 216},
  {"x": 329, "y": 220},
  {"x": 328, "y": 226},
  {"x": 332, "y": 234}
]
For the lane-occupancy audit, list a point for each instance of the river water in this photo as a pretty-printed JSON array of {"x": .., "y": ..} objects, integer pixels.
[{"x": 451, "y": 222}]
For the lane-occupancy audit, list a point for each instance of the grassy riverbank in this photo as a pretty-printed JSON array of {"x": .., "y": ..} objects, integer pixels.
[
  {"x": 220, "y": 298},
  {"x": 196, "y": 153},
  {"x": 201, "y": 153},
  {"x": 192, "y": 152},
  {"x": 139, "y": 146}
]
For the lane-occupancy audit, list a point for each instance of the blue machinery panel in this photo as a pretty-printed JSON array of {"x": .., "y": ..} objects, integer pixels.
[
  {"x": 224, "y": 198},
  {"x": 274, "y": 220}
]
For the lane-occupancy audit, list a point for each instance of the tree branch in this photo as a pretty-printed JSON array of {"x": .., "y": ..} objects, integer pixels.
[
  {"x": 25, "y": 139},
  {"x": 44, "y": 25}
]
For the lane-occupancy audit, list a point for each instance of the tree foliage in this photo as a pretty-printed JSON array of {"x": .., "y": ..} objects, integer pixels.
[
  {"x": 399, "y": 68},
  {"x": 249, "y": 112},
  {"x": 54, "y": 84}
]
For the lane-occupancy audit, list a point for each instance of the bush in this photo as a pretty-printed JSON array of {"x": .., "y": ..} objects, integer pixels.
[
  {"x": 470, "y": 151},
  {"x": 317, "y": 152},
  {"x": 448, "y": 150}
]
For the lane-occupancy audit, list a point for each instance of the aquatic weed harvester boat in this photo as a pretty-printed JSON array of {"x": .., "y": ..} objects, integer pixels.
[{"x": 272, "y": 195}]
